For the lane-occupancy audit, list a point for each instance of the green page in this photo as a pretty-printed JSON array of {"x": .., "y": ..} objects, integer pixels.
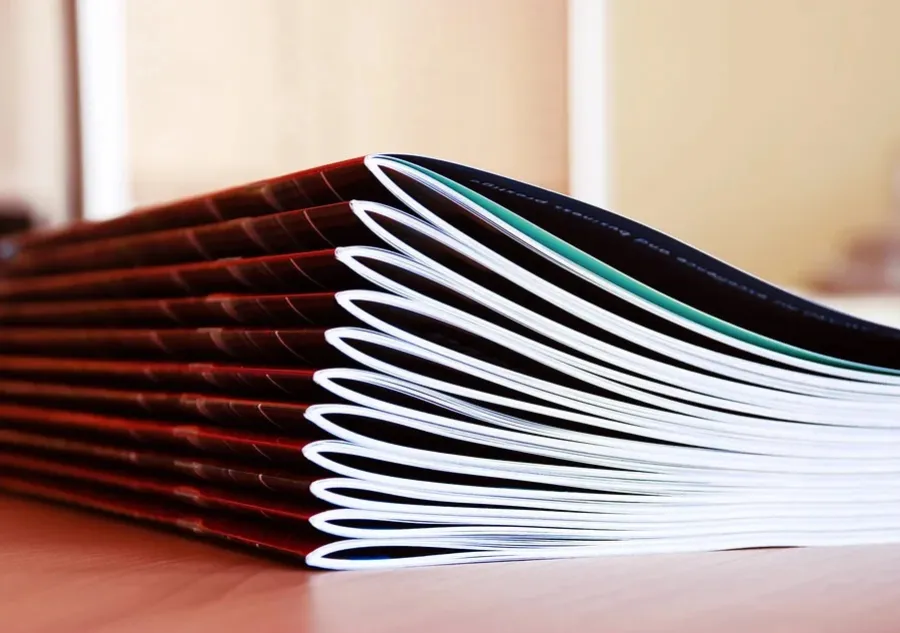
[{"x": 634, "y": 286}]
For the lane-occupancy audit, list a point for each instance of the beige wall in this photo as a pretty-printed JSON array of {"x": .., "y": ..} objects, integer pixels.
[
  {"x": 761, "y": 130},
  {"x": 34, "y": 150},
  {"x": 8, "y": 106},
  {"x": 221, "y": 91}
]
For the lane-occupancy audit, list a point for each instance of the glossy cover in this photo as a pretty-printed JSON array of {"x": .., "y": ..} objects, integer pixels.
[
  {"x": 307, "y": 188},
  {"x": 246, "y": 533},
  {"x": 294, "y": 231},
  {"x": 313, "y": 271},
  {"x": 298, "y": 310},
  {"x": 227, "y": 441},
  {"x": 186, "y": 464}
]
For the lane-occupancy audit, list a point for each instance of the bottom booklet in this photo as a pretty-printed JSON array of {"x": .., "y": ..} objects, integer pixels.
[{"x": 271, "y": 538}]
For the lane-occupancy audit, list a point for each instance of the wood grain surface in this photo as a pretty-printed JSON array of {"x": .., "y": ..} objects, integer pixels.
[{"x": 68, "y": 571}]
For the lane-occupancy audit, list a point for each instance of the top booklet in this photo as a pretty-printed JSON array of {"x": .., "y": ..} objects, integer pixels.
[{"x": 479, "y": 369}]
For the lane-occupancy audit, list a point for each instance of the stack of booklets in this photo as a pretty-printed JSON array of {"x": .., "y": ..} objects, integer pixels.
[{"x": 397, "y": 360}]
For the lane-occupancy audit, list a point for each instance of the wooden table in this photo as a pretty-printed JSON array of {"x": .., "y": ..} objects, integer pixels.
[{"x": 67, "y": 571}]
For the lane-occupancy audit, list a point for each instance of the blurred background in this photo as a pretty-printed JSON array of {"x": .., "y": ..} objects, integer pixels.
[{"x": 766, "y": 132}]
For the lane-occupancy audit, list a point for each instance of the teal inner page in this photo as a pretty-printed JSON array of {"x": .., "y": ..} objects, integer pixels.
[{"x": 632, "y": 285}]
